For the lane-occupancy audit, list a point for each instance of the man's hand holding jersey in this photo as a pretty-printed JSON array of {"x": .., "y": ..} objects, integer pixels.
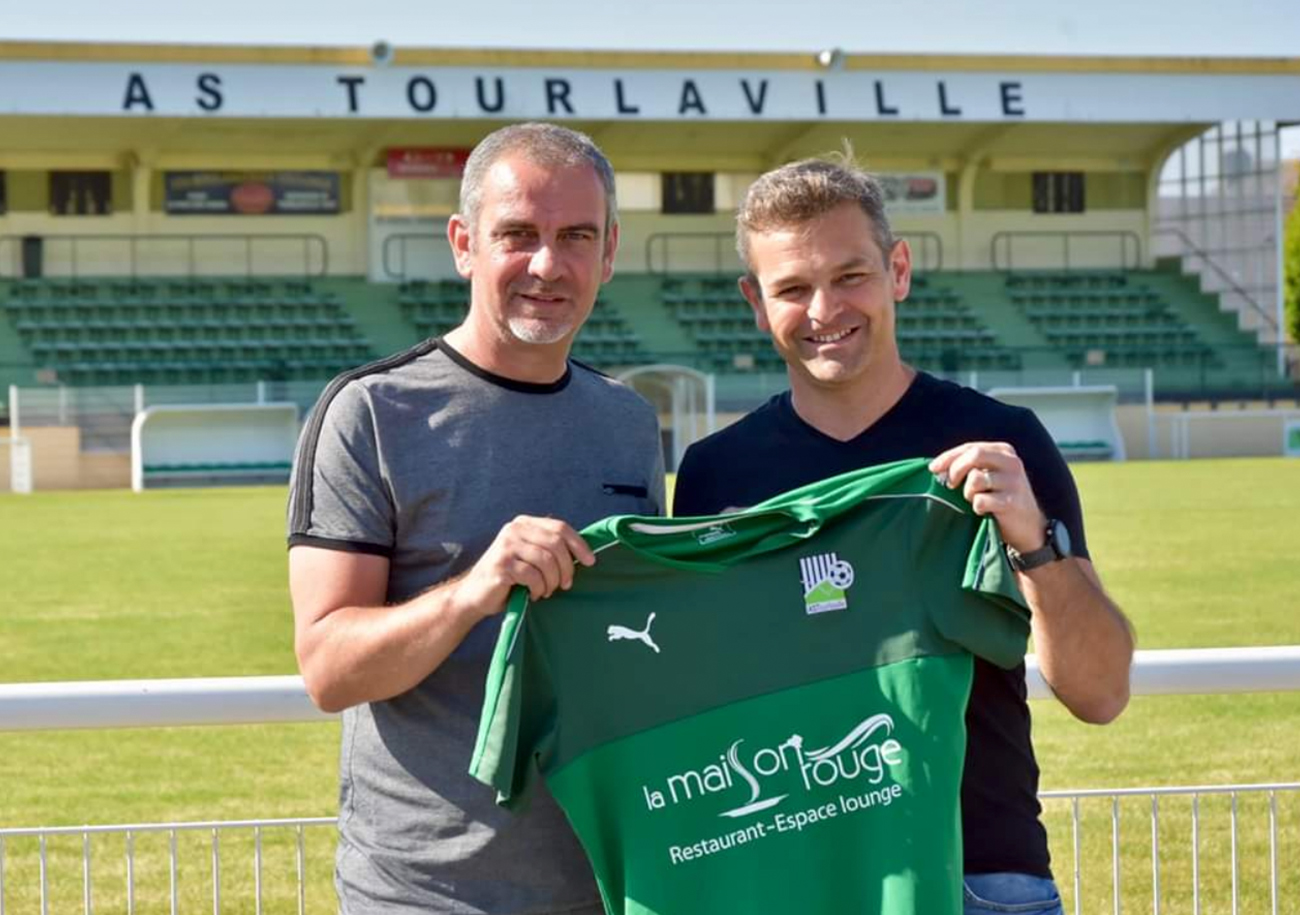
[
  {"x": 538, "y": 553},
  {"x": 993, "y": 481},
  {"x": 1083, "y": 642}
]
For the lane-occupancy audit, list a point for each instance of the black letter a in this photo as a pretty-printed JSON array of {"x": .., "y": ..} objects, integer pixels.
[{"x": 137, "y": 93}]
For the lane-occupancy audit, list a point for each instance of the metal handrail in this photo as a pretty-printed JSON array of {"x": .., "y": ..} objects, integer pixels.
[
  {"x": 309, "y": 242},
  {"x": 1218, "y": 271},
  {"x": 178, "y": 826},
  {"x": 399, "y": 240},
  {"x": 1122, "y": 235},
  {"x": 925, "y": 239},
  {"x": 719, "y": 240},
  {"x": 251, "y": 700}
]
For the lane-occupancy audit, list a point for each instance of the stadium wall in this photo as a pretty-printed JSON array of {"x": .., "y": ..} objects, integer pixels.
[
  {"x": 137, "y": 207},
  {"x": 59, "y": 463},
  {"x": 1043, "y": 245},
  {"x": 993, "y": 198},
  {"x": 163, "y": 257}
]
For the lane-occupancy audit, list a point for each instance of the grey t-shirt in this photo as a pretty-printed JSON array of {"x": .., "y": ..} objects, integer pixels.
[{"x": 422, "y": 458}]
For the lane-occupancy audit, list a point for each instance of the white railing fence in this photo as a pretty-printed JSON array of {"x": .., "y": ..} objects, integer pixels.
[
  {"x": 273, "y": 877},
  {"x": 1194, "y": 850},
  {"x": 105, "y": 704},
  {"x": 1198, "y": 849}
]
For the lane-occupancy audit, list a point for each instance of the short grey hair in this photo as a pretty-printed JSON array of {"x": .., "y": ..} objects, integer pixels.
[
  {"x": 797, "y": 193},
  {"x": 542, "y": 144}
]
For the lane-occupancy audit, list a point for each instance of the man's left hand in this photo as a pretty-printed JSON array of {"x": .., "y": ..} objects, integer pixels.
[{"x": 992, "y": 478}]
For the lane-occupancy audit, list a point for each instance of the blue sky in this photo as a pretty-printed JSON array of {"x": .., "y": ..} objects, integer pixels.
[{"x": 1165, "y": 27}]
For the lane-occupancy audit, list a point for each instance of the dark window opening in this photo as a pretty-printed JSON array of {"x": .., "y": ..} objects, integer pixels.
[
  {"x": 1058, "y": 192},
  {"x": 688, "y": 192},
  {"x": 81, "y": 193}
]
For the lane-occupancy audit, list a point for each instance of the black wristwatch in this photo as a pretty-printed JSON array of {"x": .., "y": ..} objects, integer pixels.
[{"x": 1056, "y": 547}]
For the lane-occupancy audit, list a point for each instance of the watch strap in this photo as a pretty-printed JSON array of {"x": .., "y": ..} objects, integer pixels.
[{"x": 1048, "y": 552}]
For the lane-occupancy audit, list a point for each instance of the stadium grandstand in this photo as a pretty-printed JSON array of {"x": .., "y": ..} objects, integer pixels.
[
  {"x": 206, "y": 221},
  {"x": 195, "y": 236}
]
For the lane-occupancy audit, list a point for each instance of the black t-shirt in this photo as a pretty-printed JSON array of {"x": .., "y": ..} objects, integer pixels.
[{"x": 772, "y": 450}]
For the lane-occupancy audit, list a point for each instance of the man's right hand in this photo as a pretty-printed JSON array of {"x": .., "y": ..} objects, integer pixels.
[
  {"x": 353, "y": 647},
  {"x": 538, "y": 553}
]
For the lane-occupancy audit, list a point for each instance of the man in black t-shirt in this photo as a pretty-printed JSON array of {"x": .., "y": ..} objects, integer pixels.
[{"x": 824, "y": 276}]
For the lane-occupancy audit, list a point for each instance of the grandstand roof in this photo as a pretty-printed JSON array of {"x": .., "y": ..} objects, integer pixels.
[
  {"x": 739, "y": 111},
  {"x": 1246, "y": 28}
]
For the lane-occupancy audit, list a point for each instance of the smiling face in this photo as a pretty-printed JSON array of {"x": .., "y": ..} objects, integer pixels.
[
  {"x": 537, "y": 254},
  {"x": 826, "y": 293}
]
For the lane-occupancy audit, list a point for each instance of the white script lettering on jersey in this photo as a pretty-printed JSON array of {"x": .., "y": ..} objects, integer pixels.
[{"x": 622, "y": 632}]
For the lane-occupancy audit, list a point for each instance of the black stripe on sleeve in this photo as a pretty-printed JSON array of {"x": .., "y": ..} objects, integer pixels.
[
  {"x": 342, "y": 546},
  {"x": 300, "y": 510}
]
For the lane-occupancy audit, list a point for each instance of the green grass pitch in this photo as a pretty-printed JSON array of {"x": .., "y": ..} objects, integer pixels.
[{"x": 113, "y": 585}]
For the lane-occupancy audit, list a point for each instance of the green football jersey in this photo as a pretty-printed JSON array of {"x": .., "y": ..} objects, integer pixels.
[{"x": 762, "y": 712}]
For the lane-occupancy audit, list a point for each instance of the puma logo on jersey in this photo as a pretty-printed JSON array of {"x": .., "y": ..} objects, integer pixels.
[
  {"x": 825, "y": 579},
  {"x": 616, "y": 633}
]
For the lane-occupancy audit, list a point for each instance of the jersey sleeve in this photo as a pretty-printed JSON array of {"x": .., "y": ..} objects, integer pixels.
[
  {"x": 518, "y": 712},
  {"x": 992, "y": 619},
  {"x": 339, "y": 497}
]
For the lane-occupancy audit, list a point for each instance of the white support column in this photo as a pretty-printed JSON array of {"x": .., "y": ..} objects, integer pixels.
[
  {"x": 20, "y": 449},
  {"x": 966, "y": 217},
  {"x": 1149, "y": 391},
  {"x": 1280, "y": 257},
  {"x": 1151, "y": 218},
  {"x": 360, "y": 254},
  {"x": 677, "y": 392},
  {"x": 141, "y": 165}
]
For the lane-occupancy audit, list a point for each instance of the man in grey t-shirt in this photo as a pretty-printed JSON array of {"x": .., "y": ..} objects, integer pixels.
[{"x": 426, "y": 486}]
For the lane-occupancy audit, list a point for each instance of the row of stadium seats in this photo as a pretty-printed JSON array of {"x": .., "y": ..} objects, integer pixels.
[
  {"x": 1086, "y": 298},
  {"x": 72, "y": 312},
  {"x": 145, "y": 292},
  {"x": 417, "y": 292},
  {"x": 174, "y": 329},
  {"x": 167, "y": 331},
  {"x": 1140, "y": 356},
  {"x": 1101, "y": 317},
  {"x": 1072, "y": 280},
  {"x": 195, "y": 372},
  {"x": 174, "y": 351},
  {"x": 950, "y": 323},
  {"x": 1152, "y": 335},
  {"x": 1096, "y": 318}
]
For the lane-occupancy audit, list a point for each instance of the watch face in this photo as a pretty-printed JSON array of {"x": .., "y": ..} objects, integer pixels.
[{"x": 1060, "y": 538}]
